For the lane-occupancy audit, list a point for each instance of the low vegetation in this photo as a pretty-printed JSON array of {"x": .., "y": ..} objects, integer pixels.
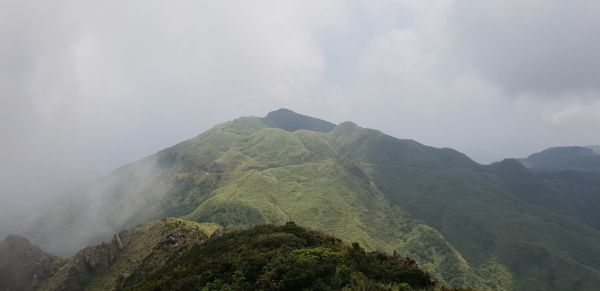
[{"x": 285, "y": 257}]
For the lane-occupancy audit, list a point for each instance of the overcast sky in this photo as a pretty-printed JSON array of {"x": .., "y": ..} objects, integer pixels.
[{"x": 87, "y": 86}]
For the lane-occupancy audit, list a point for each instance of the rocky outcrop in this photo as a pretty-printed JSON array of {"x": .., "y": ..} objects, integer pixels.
[
  {"x": 23, "y": 265},
  {"x": 89, "y": 263},
  {"x": 94, "y": 259},
  {"x": 217, "y": 234},
  {"x": 108, "y": 265}
]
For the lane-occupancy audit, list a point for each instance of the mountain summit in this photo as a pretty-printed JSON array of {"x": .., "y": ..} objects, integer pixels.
[
  {"x": 496, "y": 227},
  {"x": 292, "y": 121}
]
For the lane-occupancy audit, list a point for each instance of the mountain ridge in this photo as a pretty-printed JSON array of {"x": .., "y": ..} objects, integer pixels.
[
  {"x": 176, "y": 254},
  {"x": 457, "y": 218}
]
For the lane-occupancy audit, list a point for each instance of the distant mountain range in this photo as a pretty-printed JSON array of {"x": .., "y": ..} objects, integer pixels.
[
  {"x": 565, "y": 158},
  {"x": 503, "y": 226}
]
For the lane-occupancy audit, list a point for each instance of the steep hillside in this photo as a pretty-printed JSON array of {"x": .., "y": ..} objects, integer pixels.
[
  {"x": 497, "y": 235},
  {"x": 488, "y": 227},
  {"x": 575, "y": 194},
  {"x": 566, "y": 181}
]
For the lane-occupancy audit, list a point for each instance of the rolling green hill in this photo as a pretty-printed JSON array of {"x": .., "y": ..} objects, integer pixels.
[{"x": 498, "y": 227}]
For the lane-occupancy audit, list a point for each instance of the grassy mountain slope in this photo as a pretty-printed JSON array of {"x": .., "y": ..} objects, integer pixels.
[
  {"x": 471, "y": 225},
  {"x": 489, "y": 227},
  {"x": 566, "y": 181},
  {"x": 571, "y": 193},
  {"x": 276, "y": 176},
  {"x": 478, "y": 216}
]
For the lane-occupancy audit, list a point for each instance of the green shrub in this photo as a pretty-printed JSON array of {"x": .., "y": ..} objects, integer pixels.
[{"x": 285, "y": 257}]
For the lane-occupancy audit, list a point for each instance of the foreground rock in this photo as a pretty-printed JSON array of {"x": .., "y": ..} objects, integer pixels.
[
  {"x": 174, "y": 254},
  {"x": 107, "y": 265}
]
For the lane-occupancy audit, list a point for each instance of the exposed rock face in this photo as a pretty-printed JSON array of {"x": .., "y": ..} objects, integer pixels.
[
  {"x": 91, "y": 261},
  {"x": 217, "y": 234},
  {"x": 97, "y": 258},
  {"x": 23, "y": 265},
  {"x": 108, "y": 265}
]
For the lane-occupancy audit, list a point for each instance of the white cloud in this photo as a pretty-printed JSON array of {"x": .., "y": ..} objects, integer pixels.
[{"x": 396, "y": 55}]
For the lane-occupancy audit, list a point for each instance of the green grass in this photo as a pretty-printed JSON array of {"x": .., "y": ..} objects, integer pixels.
[{"x": 470, "y": 225}]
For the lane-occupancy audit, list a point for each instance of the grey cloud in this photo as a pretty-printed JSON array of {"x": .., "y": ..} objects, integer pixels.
[
  {"x": 86, "y": 87},
  {"x": 547, "y": 48}
]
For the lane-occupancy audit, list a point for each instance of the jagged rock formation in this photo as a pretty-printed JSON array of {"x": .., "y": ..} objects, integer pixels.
[
  {"x": 23, "y": 265},
  {"x": 107, "y": 265}
]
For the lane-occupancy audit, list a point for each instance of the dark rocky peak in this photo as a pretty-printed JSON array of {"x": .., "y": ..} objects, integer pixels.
[
  {"x": 23, "y": 265},
  {"x": 15, "y": 242},
  {"x": 292, "y": 121}
]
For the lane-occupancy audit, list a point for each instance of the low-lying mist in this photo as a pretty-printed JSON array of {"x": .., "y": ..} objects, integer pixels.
[{"x": 92, "y": 213}]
